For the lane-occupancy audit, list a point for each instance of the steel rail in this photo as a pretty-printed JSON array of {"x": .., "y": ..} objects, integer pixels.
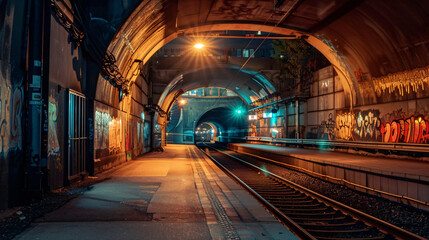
[
  {"x": 338, "y": 180},
  {"x": 288, "y": 222},
  {"x": 370, "y": 220}
]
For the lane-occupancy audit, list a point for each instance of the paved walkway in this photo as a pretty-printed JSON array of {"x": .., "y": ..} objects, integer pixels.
[{"x": 176, "y": 194}]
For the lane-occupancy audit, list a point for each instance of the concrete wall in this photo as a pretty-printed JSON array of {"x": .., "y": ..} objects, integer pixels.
[
  {"x": 121, "y": 127},
  {"x": 70, "y": 67},
  {"x": 12, "y": 77},
  {"x": 398, "y": 116},
  {"x": 67, "y": 70}
]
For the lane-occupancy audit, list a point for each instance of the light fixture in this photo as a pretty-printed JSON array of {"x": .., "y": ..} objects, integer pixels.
[
  {"x": 199, "y": 45},
  {"x": 182, "y": 102}
]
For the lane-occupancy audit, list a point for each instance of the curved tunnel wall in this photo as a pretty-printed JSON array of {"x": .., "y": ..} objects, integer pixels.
[
  {"x": 196, "y": 111},
  {"x": 392, "y": 35},
  {"x": 365, "y": 42}
]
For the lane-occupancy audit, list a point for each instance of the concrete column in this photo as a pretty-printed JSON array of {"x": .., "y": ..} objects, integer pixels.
[
  {"x": 38, "y": 87},
  {"x": 297, "y": 118}
]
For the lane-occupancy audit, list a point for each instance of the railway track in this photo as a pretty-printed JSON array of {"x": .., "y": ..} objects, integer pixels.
[{"x": 307, "y": 213}]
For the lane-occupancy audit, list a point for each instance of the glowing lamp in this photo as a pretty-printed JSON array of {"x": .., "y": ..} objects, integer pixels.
[
  {"x": 199, "y": 45},
  {"x": 182, "y": 102}
]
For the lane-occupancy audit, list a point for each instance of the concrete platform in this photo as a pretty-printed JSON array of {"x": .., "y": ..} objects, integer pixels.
[
  {"x": 402, "y": 177},
  {"x": 176, "y": 194}
]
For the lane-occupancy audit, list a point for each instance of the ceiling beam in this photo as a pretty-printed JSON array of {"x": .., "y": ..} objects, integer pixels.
[
  {"x": 244, "y": 36},
  {"x": 341, "y": 11},
  {"x": 289, "y": 12}
]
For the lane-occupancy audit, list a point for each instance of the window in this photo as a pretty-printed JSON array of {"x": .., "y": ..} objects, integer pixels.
[
  {"x": 222, "y": 92},
  {"x": 245, "y": 52},
  {"x": 200, "y": 92},
  {"x": 230, "y": 93},
  {"x": 239, "y": 52}
]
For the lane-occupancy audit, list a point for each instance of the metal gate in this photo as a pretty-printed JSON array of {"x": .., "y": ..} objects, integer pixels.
[{"x": 77, "y": 138}]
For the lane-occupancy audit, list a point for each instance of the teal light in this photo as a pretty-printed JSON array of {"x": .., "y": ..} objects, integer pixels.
[{"x": 239, "y": 111}]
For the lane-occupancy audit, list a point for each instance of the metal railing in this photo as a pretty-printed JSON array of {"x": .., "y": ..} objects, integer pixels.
[{"x": 408, "y": 147}]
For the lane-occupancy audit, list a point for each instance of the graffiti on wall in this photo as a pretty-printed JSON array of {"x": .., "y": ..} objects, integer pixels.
[
  {"x": 404, "y": 82},
  {"x": 115, "y": 135},
  {"x": 328, "y": 128},
  {"x": 344, "y": 124},
  {"x": 53, "y": 143},
  {"x": 368, "y": 125},
  {"x": 413, "y": 129},
  {"x": 253, "y": 130},
  {"x": 110, "y": 131},
  {"x": 101, "y": 138},
  {"x": 11, "y": 102},
  {"x": 232, "y": 10}
]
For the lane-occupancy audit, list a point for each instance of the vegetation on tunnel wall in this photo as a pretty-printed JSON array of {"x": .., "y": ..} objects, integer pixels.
[{"x": 298, "y": 60}]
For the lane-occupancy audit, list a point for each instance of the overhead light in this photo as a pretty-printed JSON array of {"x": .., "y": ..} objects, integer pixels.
[
  {"x": 199, "y": 45},
  {"x": 182, "y": 102},
  {"x": 267, "y": 115},
  {"x": 253, "y": 117}
]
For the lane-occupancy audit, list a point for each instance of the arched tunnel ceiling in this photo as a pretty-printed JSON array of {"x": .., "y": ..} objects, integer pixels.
[
  {"x": 223, "y": 118},
  {"x": 383, "y": 37},
  {"x": 376, "y": 37},
  {"x": 246, "y": 83}
]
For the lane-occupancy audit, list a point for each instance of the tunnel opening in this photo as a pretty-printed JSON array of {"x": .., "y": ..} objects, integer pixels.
[
  {"x": 229, "y": 124},
  {"x": 196, "y": 106},
  {"x": 206, "y": 132}
]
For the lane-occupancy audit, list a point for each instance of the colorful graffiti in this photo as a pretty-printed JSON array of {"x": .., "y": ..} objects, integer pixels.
[
  {"x": 110, "y": 131},
  {"x": 368, "y": 125},
  {"x": 413, "y": 129},
  {"x": 329, "y": 127},
  {"x": 116, "y": 135},
  {"x": 404, "y": 82},
  {"x": 253, "y": 130},
  {"x": 53, "y": 143},
  {"x": 101, "y": 138},
  {"x": 11, "y": 101},
  {"x": 344, "y": 126}
]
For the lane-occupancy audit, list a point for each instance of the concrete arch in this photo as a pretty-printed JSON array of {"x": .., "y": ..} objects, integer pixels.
[
  {"x": 143, "y": 53},
  {"x": 246, "y": 83},
  {"x": 225, "y": 123},
  {"x": 202, "y": 106}
]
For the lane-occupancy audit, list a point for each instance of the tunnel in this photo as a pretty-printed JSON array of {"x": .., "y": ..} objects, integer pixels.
[
  {"x": 230, "y": 124},
  {"x": 88, "y": 86}
]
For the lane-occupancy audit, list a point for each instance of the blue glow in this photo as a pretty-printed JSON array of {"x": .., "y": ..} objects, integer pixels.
[
  {"x": 267, "y": 115},
  {"x": 273, "y": 122},
  {"x": 142, "y": 115}
]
